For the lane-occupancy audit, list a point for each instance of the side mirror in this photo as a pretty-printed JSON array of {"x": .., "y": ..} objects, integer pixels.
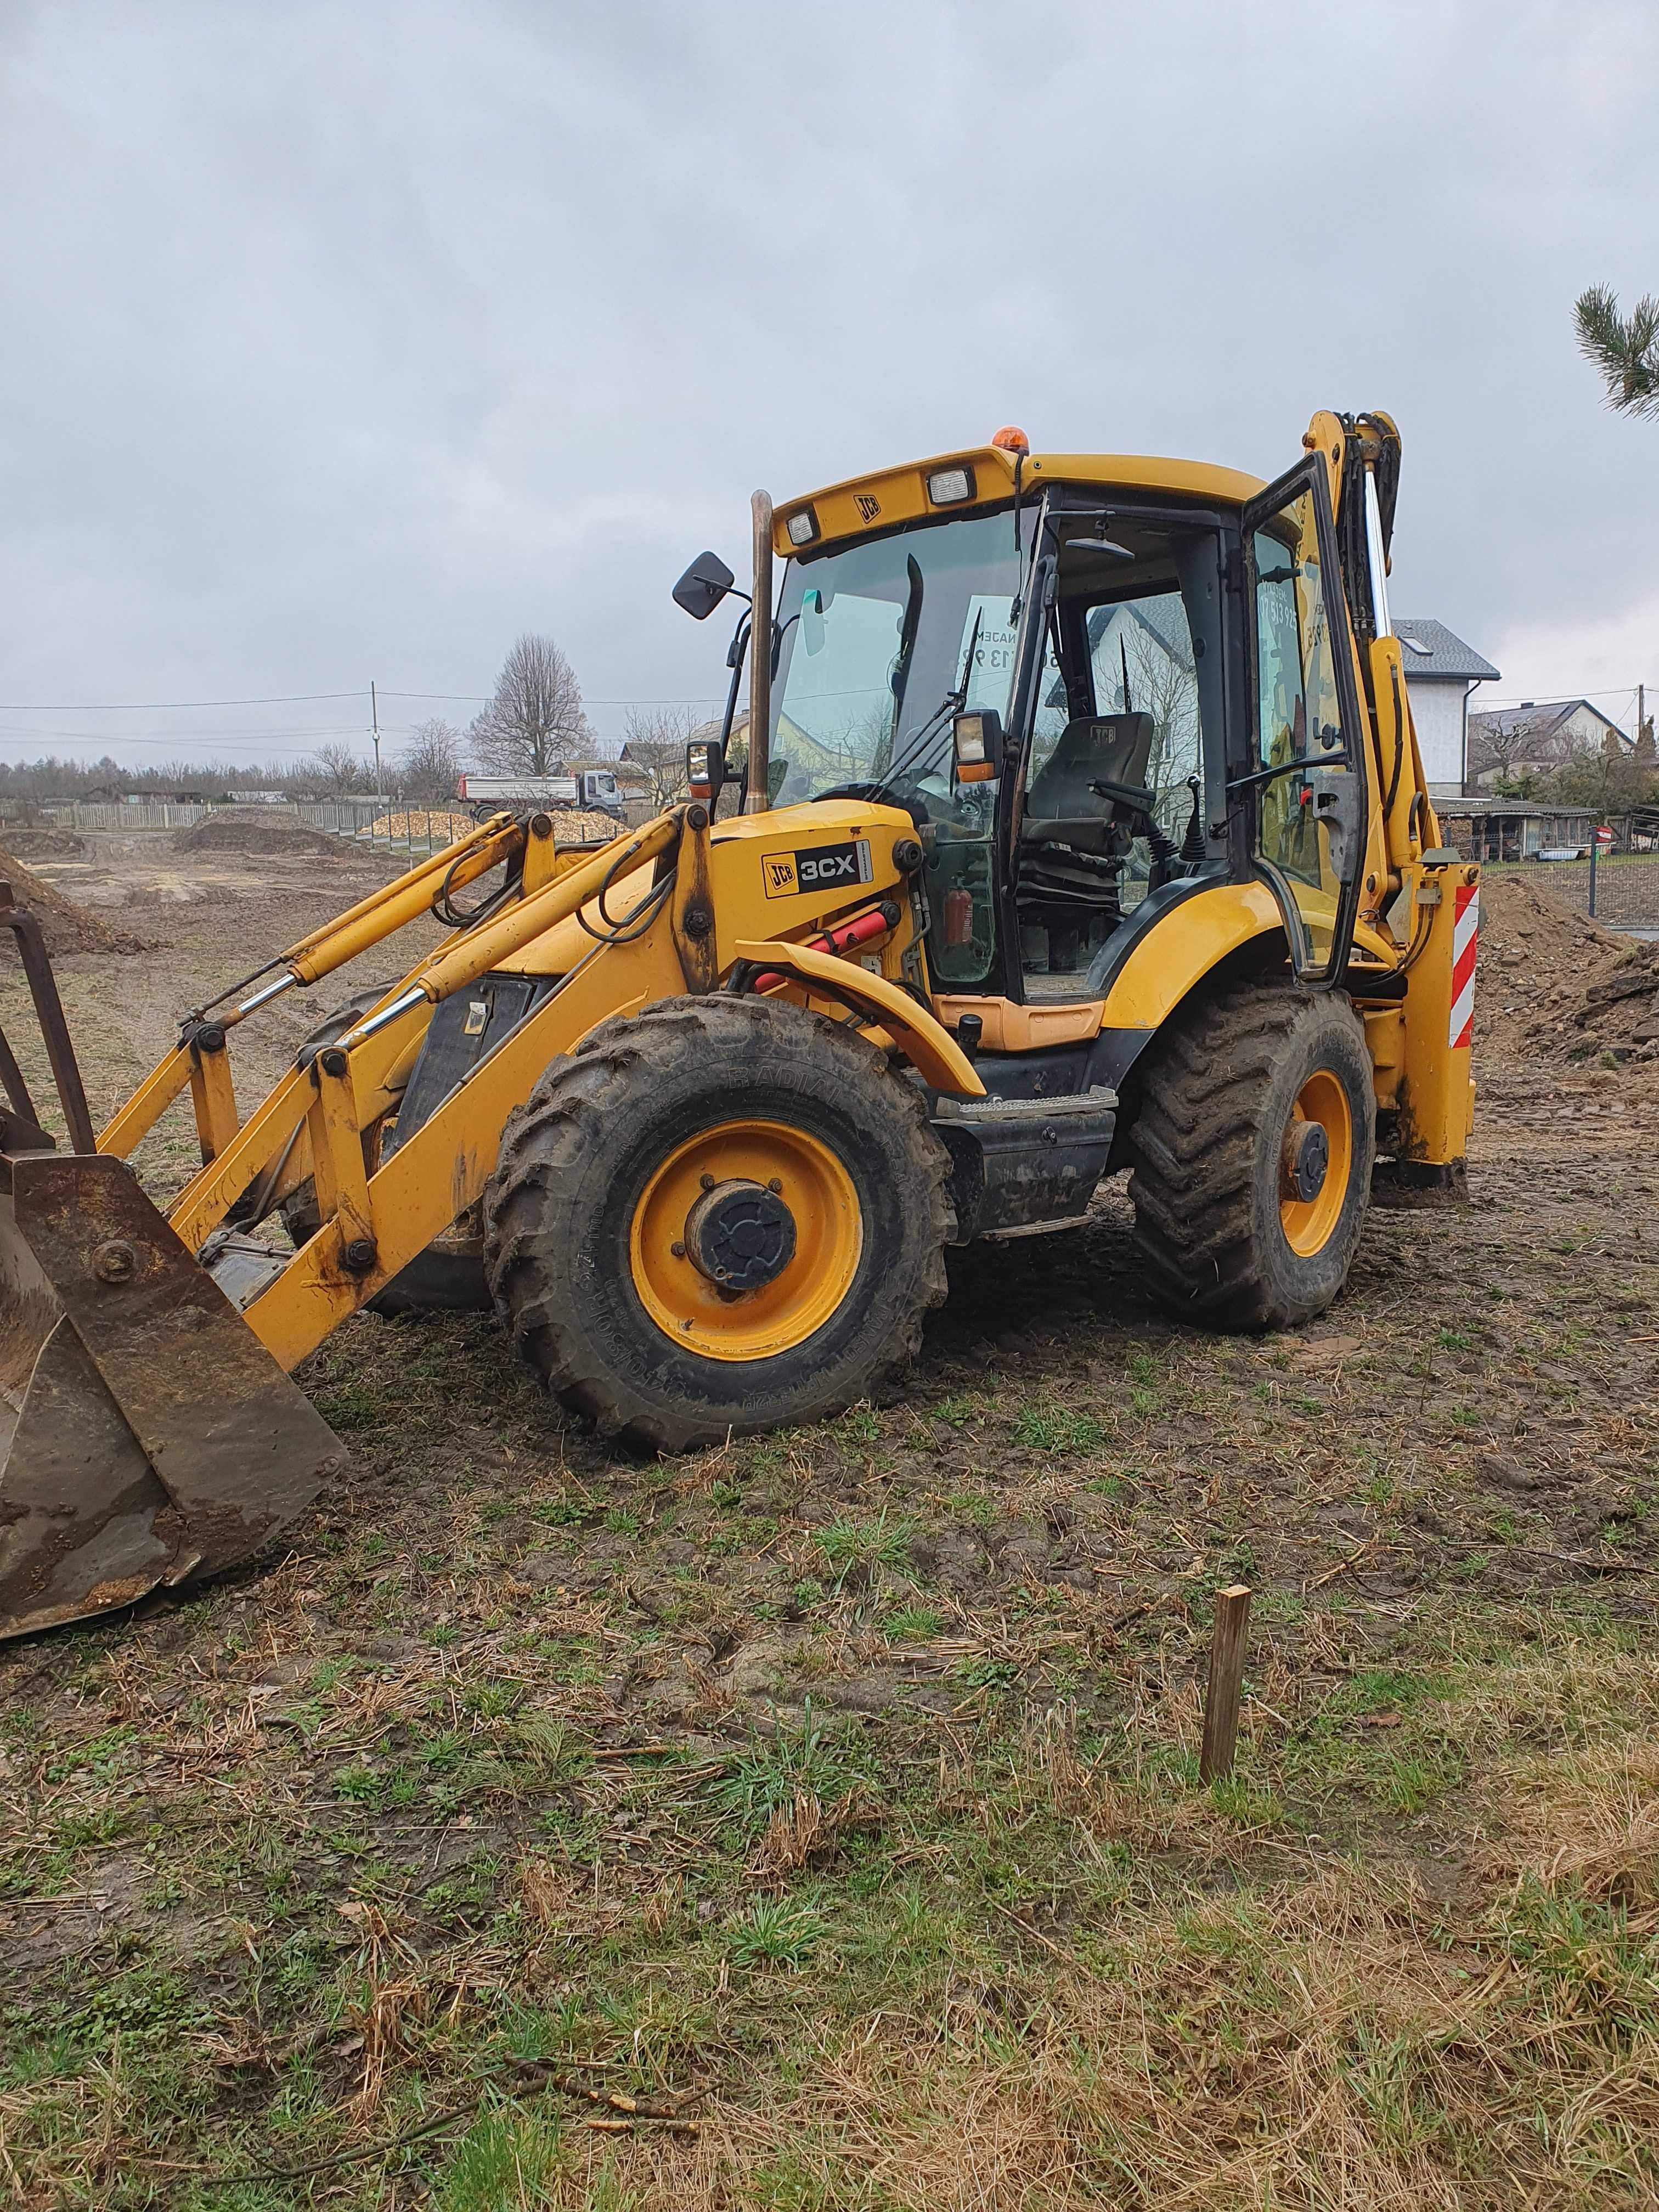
[
  {"x": 705, "y": 770},
  {"x": 977, "y": 739},
  {"x": 703, "y": 585}
]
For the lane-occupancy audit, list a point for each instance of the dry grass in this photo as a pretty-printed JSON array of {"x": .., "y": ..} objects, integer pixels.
[{"x": 838, "y": 1790}]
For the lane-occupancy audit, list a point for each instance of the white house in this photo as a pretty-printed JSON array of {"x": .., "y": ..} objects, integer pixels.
[{"x": 1441, "y": 672}]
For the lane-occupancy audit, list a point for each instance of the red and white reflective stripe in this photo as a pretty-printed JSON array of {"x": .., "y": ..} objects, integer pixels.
[{"x": 1466, "y": 938}]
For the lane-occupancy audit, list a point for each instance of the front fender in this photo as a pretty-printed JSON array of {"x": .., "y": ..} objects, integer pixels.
[{"x": 925, "y": 1043}]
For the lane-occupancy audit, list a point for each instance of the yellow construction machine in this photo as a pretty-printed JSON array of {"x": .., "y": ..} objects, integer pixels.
[{"x": 1082, "y": 825}]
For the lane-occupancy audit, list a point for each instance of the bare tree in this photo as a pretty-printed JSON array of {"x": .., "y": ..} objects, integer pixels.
[
  {"x": 1606, "y": 776},
  {"x": 429, "y": 765},
  {"x": 1507, "y": 747},
  {"x": 337, "y": 765},
  {"x": 654, "y": 742},
  {"x": 536, "y": 719}
]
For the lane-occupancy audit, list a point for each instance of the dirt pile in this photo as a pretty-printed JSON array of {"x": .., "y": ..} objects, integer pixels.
[
  {"x": 66, "y": 927},
  {"x": 1551, "y": 980},
  {"x": 237, "y": 833},
  {"x": 47, "y": 844}
]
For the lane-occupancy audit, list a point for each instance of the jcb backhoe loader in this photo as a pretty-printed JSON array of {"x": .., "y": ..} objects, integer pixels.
[{"x": 1082, "y": 825}]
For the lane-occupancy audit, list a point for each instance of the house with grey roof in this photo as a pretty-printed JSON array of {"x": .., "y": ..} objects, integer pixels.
[
  {"x": 1508, "y": 743},
  {"x": 1441, "y": 673}
]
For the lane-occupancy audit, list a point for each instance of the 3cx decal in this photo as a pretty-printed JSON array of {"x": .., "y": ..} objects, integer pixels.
[{"x": 819, "y": 868}]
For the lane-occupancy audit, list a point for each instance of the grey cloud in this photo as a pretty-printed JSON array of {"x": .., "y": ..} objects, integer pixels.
[{"x": 346, "y": 342}]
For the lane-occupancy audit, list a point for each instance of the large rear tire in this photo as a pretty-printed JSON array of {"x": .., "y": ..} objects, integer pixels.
[
  {"x": 722, "y": 1216},
  {"x": 1252, "y": 1154}
]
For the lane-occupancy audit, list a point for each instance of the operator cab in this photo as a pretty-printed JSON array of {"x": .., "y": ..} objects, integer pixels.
[{"x": 1084, "y": 634}]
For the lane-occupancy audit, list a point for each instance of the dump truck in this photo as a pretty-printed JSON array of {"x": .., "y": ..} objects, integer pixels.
[
  {"x": 593, "y": 789},
  {"x": 1082, "y": 827}
]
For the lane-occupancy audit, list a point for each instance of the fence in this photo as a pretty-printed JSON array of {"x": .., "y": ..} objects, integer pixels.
[
  {"x": 161, "y": 814},
  {"x": 1619, "y": 887}
]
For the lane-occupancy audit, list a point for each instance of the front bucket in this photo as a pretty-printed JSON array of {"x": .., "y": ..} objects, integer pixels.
[{"x": 152, "y": 1436}]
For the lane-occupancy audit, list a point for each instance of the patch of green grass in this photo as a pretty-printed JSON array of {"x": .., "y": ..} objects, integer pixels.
[
  {"x": 770, "y": 1772},
  {"x": 776, "y": 1932},
  {"x": 908, "y": 1622},
  {"x": 1046, "y": 1425},
  {"x": 846, "y": 1543},
  {"x": 506, "y": 2159},
  {"x": 563, "y": 1510},
  {"x": 958, "y": 1411},
  {"x": 491, "y": 1701},
  {"x": 73, "y": 1831}
]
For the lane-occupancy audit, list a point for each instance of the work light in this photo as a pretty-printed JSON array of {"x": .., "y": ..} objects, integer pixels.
[
  {"x": 802, "y": 527},
  {"x": 948, "y": 487}
]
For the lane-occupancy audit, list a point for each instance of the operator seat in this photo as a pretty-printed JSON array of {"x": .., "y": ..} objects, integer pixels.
[
  {"x": 1073, "y": 840},
  {"x": 1062, "y": 805}
]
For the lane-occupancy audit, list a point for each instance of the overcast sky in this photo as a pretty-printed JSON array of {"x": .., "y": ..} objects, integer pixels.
[{"x": 347, "y": 341}]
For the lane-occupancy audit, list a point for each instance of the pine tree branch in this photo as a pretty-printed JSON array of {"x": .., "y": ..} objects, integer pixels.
[{"x": 1624, "y": 351}]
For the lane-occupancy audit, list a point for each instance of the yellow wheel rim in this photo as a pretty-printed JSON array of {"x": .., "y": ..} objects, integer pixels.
[
  {"x": 823, "y": 1202},
  {"x": 1310, "y": 1224}
]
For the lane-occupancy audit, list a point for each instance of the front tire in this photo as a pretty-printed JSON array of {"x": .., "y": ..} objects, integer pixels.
[
  {"x": 1252, "y": 1154},
  {"x": 722, "y": 1216}
]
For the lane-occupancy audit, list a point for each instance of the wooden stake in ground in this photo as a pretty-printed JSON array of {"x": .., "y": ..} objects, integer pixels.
[{"x": 1221, "y": 1693}]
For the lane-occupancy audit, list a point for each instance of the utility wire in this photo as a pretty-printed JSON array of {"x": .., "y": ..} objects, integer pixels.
[{"x": 167, "y": 706}]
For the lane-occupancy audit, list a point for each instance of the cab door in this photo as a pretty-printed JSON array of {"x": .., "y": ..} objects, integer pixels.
[{"x": 1304, "y": 784}]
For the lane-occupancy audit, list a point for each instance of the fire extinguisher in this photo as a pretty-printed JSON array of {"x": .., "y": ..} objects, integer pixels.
[{"x": 958, "y": 917}]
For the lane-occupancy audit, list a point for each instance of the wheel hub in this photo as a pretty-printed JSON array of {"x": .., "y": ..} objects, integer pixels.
[
  {"x": 740, "y": 1235},
  {"x": 1307, "y": 1161}
]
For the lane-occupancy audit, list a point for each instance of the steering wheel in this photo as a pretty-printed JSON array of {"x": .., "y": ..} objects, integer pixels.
[{"x": 873, "y": 794}]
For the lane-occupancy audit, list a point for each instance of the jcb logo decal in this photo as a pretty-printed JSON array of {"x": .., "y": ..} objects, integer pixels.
[
  {"x": 868, "y": 505},
  {"x": 818, "y": 868}
]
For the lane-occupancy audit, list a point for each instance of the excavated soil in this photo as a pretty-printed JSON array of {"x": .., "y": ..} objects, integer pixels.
[
  {"x": 217, "y": 834},
  {"x": 46, "y": 844},
  {"x": 66, "y": 927},
  {"x": 1551, "y": 980}
]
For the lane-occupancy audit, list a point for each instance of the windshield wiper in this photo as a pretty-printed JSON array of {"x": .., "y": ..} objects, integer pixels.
[{"x": 954, "y": 702}]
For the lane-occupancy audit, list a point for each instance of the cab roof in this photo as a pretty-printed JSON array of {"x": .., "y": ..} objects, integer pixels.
[{"x": 891, "y": 495}]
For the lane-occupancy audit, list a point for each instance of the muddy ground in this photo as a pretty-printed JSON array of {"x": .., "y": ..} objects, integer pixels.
[{"x": 816, "y": 1822}]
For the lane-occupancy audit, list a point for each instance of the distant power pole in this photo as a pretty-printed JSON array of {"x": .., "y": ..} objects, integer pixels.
[{"x": 374, "y": 717}]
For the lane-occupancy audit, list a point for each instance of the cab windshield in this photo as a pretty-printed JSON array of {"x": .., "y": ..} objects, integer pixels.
[{"x": 876, "y": 639}]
